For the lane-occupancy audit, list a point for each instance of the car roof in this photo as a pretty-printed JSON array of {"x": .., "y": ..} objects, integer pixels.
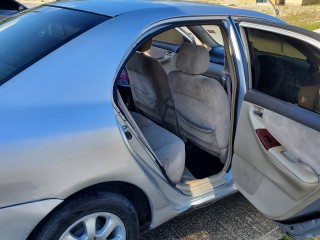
[{"x": 115, "y": 8}]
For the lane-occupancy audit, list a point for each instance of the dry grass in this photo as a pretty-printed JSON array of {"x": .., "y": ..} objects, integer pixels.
[
  {"x": 307, "y": 16},
  {"x": 302, "y": 16},
  {"x": 44, "y": 1}
]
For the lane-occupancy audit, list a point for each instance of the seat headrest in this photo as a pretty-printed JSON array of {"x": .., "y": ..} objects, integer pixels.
[
  {"x": 192, "y": 59},
  {"x": 146, "y": 46}
]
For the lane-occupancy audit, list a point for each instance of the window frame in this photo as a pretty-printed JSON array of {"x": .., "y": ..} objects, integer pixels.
[
  {"x": 273, "y": 29},
  {"x": 306, "y": 36}
]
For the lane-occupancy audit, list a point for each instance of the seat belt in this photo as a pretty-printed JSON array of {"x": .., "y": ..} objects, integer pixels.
[
  {"x": 317, "y": 103},
  {"x": 130, "y": 119},
  {"x": 226, "y": 80},
  {"x": 228, "y": 86},
  {"x": 140, "y": 135}
]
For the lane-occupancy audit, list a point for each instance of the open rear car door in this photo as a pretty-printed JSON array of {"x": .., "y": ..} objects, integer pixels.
[{"x": 276, "y": 161}]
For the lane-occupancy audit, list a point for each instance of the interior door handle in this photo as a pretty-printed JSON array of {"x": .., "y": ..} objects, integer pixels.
[{"x": 258, "y": 113}]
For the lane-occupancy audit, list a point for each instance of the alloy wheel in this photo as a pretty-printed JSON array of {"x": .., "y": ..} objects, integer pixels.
[{"x": 96, "y": 226}]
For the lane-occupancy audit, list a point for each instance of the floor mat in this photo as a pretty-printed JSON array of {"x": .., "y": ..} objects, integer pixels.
[
  {"x": 200, "y": 163},
  {"x": 187, "y": 176}
]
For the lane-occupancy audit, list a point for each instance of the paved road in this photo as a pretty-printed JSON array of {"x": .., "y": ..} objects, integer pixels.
[{"x": 231, "y": 218}]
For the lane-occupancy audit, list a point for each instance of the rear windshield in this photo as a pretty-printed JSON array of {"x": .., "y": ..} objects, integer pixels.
[{"x": 29, "y": 37}]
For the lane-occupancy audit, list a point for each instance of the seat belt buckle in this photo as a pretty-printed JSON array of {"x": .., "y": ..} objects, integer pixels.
[{"x": 224, "y": 77}]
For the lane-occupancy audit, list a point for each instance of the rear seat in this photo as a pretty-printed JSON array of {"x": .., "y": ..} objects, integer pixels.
[{"x": 169, "y": 148}]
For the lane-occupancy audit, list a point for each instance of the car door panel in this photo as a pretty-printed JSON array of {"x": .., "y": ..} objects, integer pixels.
[
  {"x": 298, "y": 114},
  {"x": 276, "y": 161},
  {"x": 302, "y": 143},
  {"x": 285, "y": 175}
]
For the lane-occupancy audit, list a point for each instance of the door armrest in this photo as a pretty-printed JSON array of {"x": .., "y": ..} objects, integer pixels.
[{"x": 301, "y": 170}]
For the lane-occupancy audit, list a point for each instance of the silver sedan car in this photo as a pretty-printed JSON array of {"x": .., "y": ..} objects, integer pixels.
[{"x": 117, "y": 116}]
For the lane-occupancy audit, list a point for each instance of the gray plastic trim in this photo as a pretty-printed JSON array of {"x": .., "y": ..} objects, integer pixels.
[{"x": 303, "y": 230}]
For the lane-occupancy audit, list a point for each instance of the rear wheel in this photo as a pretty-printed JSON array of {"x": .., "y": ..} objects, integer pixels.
[
  {"x": 100, "y": 226},
  {"x": 99, "y": 216}
]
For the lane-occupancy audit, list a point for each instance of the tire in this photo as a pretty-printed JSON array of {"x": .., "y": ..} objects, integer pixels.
[{"x": 106, "y": 207}]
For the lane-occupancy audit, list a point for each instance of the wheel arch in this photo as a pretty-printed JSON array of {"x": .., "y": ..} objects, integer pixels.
[{"x": 137, "y": 197}]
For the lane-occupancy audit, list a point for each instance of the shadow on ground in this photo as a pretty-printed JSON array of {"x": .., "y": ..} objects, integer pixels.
[{"x": 230, "y": 218}]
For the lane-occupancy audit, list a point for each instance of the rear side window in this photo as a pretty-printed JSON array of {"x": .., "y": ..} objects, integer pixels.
[
  {"x": 10, "y": 5},
  {"x": 285, "y": 68},
  {"x": 171, "y": 36},
  {"x": 29, "y": 37},
  {"x": 215, "y": 33}
]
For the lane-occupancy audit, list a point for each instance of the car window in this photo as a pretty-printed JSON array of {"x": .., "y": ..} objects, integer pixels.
[
  {"x": 27, "y": 38},
  {"x": 214, "y": 32},
  {"x": 285, "y": 68},
  {"x": 191, "y": 35},
  {"x": 172, "y": 36},
  {"x": 9, "y": 5}
]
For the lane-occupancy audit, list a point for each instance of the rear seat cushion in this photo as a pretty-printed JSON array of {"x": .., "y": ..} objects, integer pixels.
[{"x": 169, "y": 148}]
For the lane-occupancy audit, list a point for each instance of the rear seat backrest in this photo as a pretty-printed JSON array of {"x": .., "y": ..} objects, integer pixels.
[{"x": 149, "y": 84}]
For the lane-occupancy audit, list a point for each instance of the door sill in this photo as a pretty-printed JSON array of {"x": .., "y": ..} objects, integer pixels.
[{"x": 197, "y": 187}]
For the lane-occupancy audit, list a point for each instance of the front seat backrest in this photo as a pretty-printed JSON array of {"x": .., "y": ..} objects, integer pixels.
[
  {"x": 149, "y": 84},
  {"x": 201, "y": 103}
]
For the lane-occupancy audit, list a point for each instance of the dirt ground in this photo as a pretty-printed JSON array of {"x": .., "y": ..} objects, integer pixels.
[{"x": 302, "y": 16}]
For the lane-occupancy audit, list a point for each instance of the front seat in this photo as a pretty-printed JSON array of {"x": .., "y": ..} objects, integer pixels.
[
  {"x": 201, "y": 103},
  {"x": 149, "y": 84}
]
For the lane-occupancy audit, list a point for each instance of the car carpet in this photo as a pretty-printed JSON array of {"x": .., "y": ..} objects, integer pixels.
[{"x": 200, "y": 163}]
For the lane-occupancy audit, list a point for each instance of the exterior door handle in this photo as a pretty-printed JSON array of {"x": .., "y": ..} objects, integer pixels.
[{"x": 127, "y": 133}]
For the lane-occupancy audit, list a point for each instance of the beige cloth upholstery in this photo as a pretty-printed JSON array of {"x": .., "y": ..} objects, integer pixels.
[
  {"x": 169, "y": 149},
  {"x": 309, "y": 96},
  {"x": 146, "y": 46},
  {"x": 192, "y": 59},
  {"x": 202, "y": 105},
  {"x": 149, "y": 85}
]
